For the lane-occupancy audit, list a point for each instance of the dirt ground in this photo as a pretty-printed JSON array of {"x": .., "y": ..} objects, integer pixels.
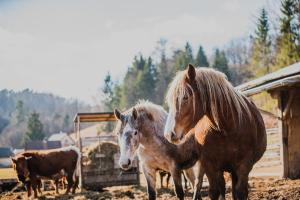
[{"x": 260, "y": 188}]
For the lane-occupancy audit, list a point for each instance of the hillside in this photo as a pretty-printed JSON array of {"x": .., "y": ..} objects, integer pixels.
[{"x": 55, "y": 113}]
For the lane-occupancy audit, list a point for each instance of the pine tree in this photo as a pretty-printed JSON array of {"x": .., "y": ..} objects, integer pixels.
[
  {"x": 34, "y": 127},
  {"x": 180, "y": 61},
  {"x": 287, "y": 50},
  {"x": 20, "y": 111},
  {"x": 139, "y": 82},
  {"x": 146, "y": 80},
  {"x": 66, "y": 123},
  {"x": 109, "y": 100},
  {"x": 189, "y": 58},
  {"x": 108, "y": 92},
  {"x": 221, "y": 63},
  {"x": 201, "y": 59},
  {"x": 261, "y": 46}
]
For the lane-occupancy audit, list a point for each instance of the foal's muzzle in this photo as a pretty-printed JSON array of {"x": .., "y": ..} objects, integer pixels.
[
  {"x": 125, "y": 164},
  {"x": 172, "y": 137}
]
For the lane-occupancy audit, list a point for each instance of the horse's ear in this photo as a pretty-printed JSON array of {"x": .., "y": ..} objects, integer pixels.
[
  {"x": 191, "y": 72},
  {"x": 134, "y": 113},
  {"x": 118, "y": 114}
]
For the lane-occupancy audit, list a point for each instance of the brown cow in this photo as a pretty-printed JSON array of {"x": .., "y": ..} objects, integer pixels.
[{"x": 32, "y": 165}]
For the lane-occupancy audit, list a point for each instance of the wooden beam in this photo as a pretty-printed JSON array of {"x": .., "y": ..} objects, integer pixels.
[{"x": 283, "y": 133}]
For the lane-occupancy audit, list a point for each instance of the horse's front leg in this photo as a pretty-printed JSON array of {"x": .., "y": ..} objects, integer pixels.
[
  {"x": 150, "y": 175},
  {"x": 198, "y": 181},
  {"x": 216, "y": 184},
  {"x": 176, "y": 174}
]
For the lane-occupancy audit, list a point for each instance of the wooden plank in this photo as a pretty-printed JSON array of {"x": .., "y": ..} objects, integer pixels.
[{"x": 293, "y": 119}]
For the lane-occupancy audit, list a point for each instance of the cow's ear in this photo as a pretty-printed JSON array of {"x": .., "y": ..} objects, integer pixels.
[
  {"x": 13, "y": 160},
  {"x": 27, "y": 158},
  {"x": 118, "y": 114},
  {"x": 191, "y": 72},
  {"x": 134, "y": 113}
]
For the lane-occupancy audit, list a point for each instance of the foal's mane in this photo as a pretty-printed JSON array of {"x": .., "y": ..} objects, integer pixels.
[
  {"x": 146, "y": 108},
  {"x": 156, "y": 112},
  {"x": 217, "y": 95}
]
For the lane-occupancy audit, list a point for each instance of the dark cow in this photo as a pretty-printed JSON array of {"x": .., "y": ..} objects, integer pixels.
[{"x": 33, "y": 165}]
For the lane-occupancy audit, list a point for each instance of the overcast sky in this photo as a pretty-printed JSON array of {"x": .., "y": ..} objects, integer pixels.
[{"x": 67, "y": 47}]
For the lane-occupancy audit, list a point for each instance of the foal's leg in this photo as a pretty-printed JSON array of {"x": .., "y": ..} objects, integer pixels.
[
  {"x": 185, "y": 182},
  {"x": 198, "y": 182},
  {"x": 161, "y": 175},
  {"x": 176, "y": 174},
  {"x": 168, "y": 179},
  {"x": 150, "y": 175},
  {"x": 56, "y": 185},
  {"x": 190, "y": 175}
]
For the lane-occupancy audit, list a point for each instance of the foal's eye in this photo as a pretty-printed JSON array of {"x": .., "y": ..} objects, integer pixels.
[{"x": 185, "y": 97}]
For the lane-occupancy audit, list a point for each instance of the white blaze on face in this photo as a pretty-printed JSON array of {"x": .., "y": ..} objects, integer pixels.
[
  {"x": 124, "y": 146},
  {"x": 170, "y": 124}
]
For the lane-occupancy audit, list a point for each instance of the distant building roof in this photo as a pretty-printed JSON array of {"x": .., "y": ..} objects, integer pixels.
[
  {"x": 287, "y": 76},
  {"x": 53, "y": 144},
  {"x": 57, "y": 136},
  {"x": 40, "y": 145},
  {"x": 35, "y": 145}
]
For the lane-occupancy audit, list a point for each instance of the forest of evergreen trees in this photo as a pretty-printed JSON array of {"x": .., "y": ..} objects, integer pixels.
[
  {"x": 27, "y": 115},
  {"x": 266, "y": 50}
]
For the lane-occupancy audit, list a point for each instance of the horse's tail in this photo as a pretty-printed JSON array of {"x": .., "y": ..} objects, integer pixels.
[{"x": 76, "y": 173}]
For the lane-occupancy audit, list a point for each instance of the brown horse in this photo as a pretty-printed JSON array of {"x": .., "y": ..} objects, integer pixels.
[
  {"x": 228, "y": 127},
  {"x": 31, "y": 166}
]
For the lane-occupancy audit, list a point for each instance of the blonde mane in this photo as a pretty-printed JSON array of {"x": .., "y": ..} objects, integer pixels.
[{"x": 216, "y": 94}]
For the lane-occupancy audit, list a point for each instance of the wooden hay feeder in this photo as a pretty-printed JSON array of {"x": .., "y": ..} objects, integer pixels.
[{"x": 99, "y": 164}]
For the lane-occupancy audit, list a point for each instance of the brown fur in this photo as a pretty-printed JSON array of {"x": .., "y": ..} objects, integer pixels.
[
  {"x": 32, "y": 165},
  {"x": 228, "y": 127}
]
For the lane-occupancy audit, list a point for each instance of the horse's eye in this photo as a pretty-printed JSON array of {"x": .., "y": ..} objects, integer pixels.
[
  {"x": 185, "y": 97},
  {"x": 135, "y": 132}
]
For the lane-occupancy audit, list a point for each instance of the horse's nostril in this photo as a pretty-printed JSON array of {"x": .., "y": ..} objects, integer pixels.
[
  {"x": 173, "y": 135},
  {"x": 129, "y": 162}
]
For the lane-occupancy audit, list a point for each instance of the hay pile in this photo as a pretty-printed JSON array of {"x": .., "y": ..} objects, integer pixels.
[{"x": 101, "y": 156}]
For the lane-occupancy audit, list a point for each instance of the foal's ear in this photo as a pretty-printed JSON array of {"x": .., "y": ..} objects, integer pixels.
[
  {"x": 134, "y": 113},
  {"x": 118, "y": 114},
  {"x": 191, "y": 72}
]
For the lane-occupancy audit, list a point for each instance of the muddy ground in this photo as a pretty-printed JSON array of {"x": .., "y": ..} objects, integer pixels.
[{"x": 260, "y": 188}]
